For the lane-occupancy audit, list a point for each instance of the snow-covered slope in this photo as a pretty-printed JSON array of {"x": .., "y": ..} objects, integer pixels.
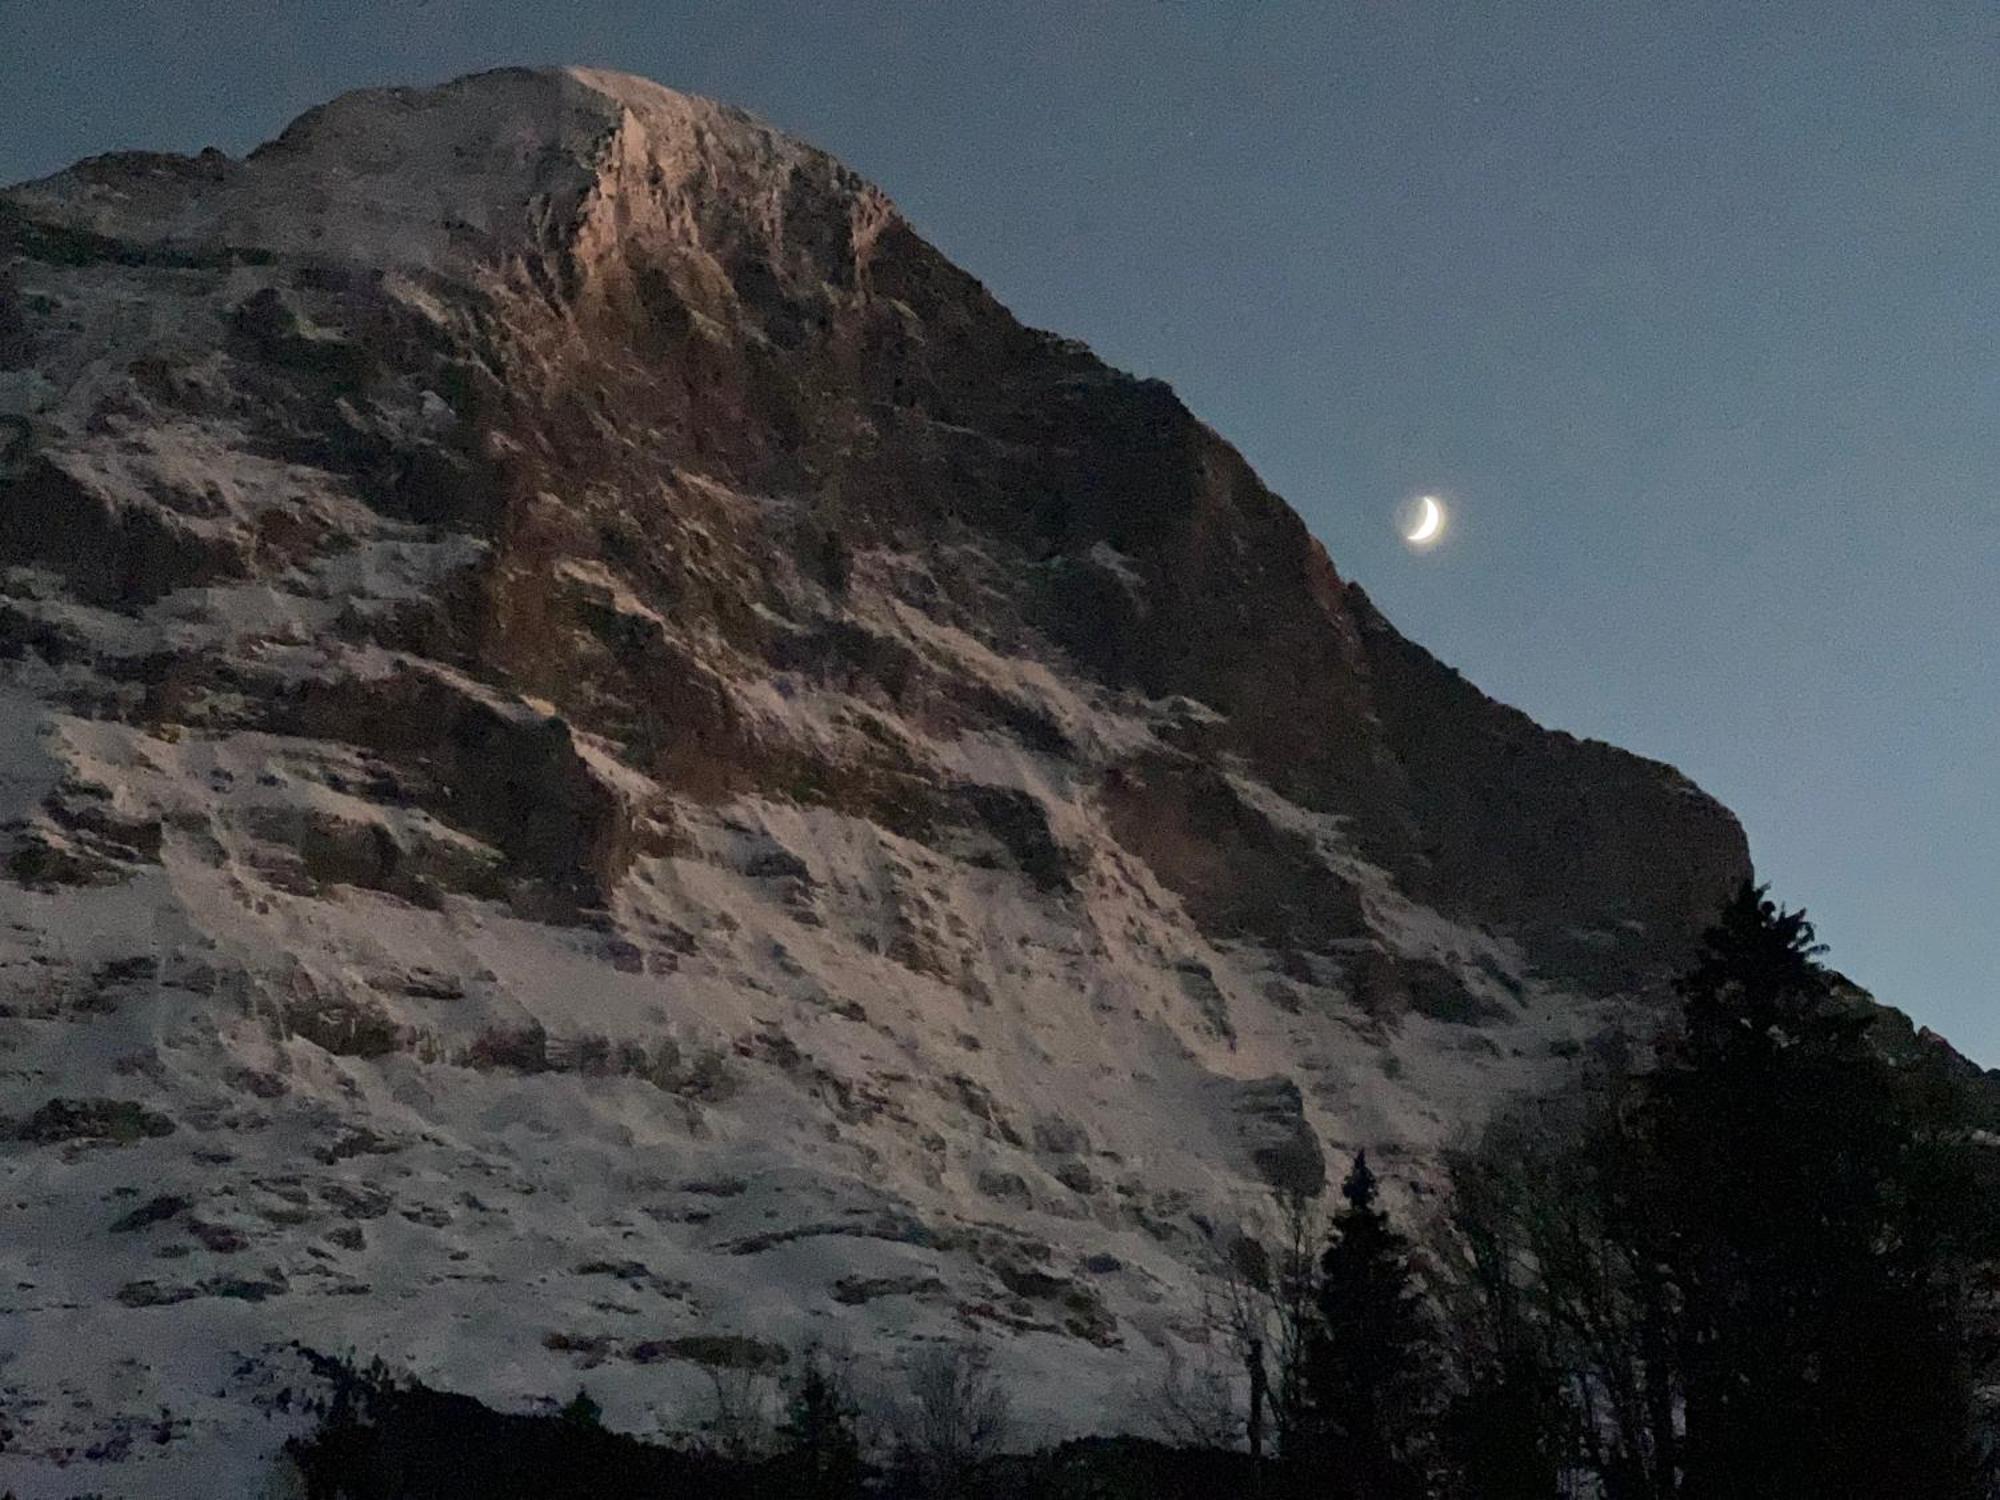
[{"x": 604, "y": 765}]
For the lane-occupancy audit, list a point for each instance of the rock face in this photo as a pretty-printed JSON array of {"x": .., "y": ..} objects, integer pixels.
[{"x": 598, "y": 749}]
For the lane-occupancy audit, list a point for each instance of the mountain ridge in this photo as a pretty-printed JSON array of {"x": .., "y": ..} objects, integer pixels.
[{"x": 577, "y": 696}]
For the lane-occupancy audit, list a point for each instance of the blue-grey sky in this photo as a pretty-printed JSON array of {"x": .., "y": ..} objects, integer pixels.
[{"x": 1692, "y": 308}]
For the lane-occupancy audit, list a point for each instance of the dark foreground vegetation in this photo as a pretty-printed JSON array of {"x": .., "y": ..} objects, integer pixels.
[
  {"x": 414, "y": 1444},
  {"x": 1751, "y": 1265}
]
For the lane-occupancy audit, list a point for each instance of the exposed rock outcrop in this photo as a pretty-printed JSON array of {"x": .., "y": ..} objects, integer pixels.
[{"x": 618, "y": 709}]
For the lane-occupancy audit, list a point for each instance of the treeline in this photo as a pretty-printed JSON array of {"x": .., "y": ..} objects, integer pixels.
[
  {"x": 1749, "y": 1270},
  {"x": 945, "y": 1435}
]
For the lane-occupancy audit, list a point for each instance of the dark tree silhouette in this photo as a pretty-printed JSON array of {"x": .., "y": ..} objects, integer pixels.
[
  {"x": 1370, "y": 1373},
  {"x": 1501, "y": 1434},
  {"x": 1797, "y": 1193},
  {"x": 582, "y": 1410},
  {"x": 820, "y": 1446},
  {"x": 1742, "y": 1273}
]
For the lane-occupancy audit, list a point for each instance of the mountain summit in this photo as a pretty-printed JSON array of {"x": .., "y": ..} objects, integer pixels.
[{"x": 604, "y": 763}]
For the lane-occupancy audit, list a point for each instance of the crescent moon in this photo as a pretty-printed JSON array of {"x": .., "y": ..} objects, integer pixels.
[{"x": 1430, "y": 525}]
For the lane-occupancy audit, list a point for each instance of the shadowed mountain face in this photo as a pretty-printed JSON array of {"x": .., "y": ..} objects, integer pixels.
[{"x": 548, "y": 639}]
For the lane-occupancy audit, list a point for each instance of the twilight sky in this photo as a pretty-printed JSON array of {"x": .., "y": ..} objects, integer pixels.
[{"x": 1691, "y": 307}]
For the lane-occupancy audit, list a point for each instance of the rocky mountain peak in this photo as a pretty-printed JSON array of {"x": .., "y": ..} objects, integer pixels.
[
  {"x": 581, "y": 709},
  {"x": 491, "y": 168}
]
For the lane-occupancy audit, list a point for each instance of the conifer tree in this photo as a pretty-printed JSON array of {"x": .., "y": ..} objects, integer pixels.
[
  {"x": 1797, "y": 1194},
  {"x": 1370, "y": 1365},
  {"x": 582, "y": 1410},
  {"x": 821, "y": 1447},
  {"x": 1742, "y": 1273}
]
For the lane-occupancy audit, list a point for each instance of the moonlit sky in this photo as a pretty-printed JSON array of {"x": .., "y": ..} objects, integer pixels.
[{"x": 1690, "y": 310}]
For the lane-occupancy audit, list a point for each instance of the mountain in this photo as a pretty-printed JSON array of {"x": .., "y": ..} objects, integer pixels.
[{"x": 606, "y": 767}]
